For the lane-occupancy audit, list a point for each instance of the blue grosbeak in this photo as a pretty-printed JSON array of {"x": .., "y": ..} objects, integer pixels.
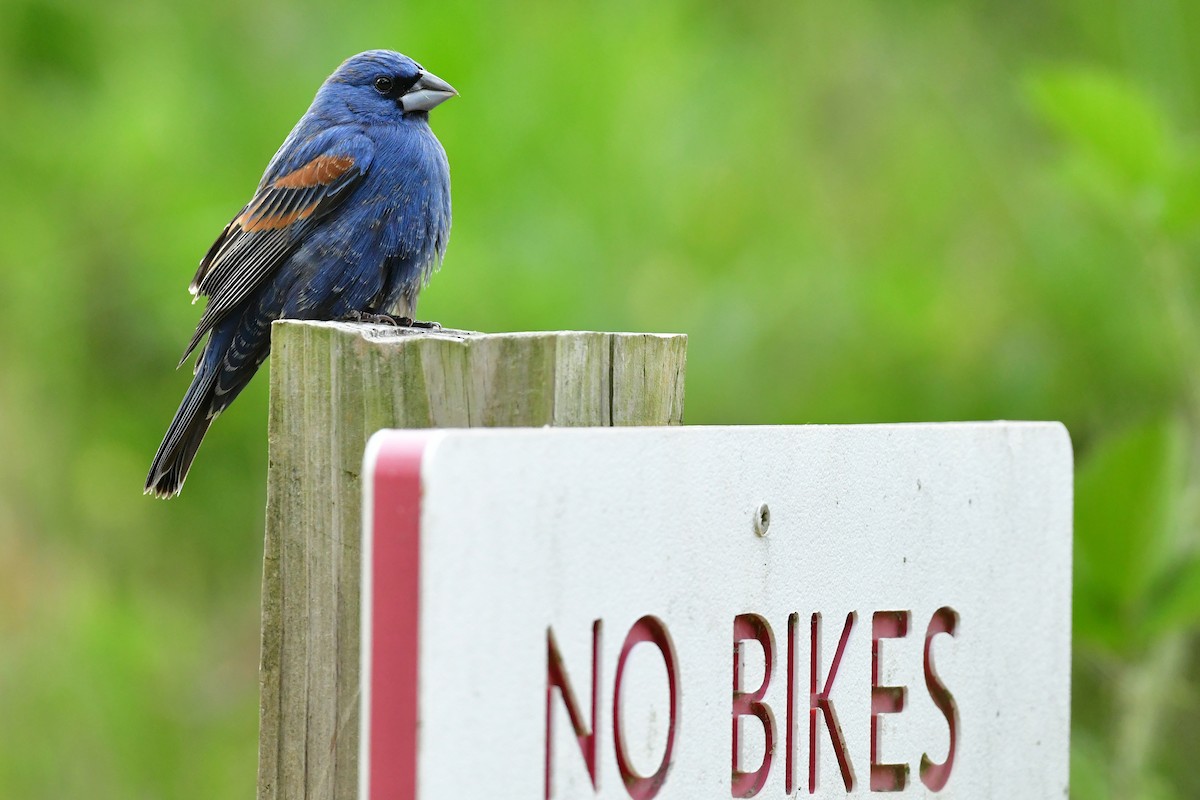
[{"x": 349, "y": 221}]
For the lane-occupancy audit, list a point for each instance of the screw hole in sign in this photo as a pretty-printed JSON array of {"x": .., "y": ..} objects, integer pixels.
[{"x": 762, "y": 520}]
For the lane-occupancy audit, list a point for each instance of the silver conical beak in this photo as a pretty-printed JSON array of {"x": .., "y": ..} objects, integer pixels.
[{"x": 429, "y": 91}]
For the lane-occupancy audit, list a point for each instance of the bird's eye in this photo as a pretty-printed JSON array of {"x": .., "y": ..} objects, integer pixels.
[{"x": 383, "y": 84}]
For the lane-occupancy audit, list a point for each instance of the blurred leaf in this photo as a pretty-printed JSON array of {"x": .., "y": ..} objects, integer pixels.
[
  {"x": 1109, "y": 119},
  {"x": 1181, "y": 211},
  {"x": 1090, "y": 767},
  {"x": 1124, "y": 511},
  {"x": 1176, "y": 606}
]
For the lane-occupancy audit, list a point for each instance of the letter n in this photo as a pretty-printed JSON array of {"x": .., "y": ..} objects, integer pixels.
[{"x": 556, "y": 678}]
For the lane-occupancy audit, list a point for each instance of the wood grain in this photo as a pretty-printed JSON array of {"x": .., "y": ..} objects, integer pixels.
[{"x": 332, "y": 386}]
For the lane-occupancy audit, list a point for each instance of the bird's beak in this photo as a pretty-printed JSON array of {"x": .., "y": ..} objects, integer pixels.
[{"x": 429, "y": 91}]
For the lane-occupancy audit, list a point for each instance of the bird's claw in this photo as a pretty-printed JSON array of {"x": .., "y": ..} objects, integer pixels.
[
  {"x": 374, "y": 319},
  {"x": 388, "y": 319}
]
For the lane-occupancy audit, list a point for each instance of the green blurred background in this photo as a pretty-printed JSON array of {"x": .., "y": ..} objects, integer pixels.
[{"x": 857, "y": 211}]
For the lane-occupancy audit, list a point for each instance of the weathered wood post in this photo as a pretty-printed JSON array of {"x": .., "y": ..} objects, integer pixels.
[{"x": 332, "y": 386}]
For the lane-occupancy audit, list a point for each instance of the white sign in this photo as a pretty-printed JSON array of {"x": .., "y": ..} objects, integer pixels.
[{"x": 818, "y": 611}]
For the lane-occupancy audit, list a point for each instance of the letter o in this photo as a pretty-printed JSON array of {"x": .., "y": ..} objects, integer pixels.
[{"x": 647, "y": 629}]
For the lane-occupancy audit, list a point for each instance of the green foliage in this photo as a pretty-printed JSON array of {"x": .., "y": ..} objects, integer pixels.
[
  {"x": 1109, "y": 120},
  {"x": 1127, "y": 494},
  {"x": 1137, "y": 567},
  {"x": 858, "y": 211}
]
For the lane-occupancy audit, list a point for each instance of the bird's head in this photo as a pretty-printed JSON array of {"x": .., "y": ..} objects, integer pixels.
[{"x": 382, "y": 83}]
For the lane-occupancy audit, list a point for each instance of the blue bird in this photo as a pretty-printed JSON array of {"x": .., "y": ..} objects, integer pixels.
[{"x": 349, "y": 221}]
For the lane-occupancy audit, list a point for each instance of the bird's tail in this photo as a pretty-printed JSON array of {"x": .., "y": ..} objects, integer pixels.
[
  {"x": 234, "y": 350},
  {"x": 174, "y": 459},
  {"x": 179, "y": 446}
]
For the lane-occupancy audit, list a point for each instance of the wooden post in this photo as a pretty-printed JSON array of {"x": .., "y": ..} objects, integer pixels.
[{"x": 332, "y": 386}]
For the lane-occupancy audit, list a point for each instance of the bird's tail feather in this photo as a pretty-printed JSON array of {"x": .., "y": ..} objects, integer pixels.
[
  {"x": 179, "y": 446},
  {"x": 231, "y": 356}
]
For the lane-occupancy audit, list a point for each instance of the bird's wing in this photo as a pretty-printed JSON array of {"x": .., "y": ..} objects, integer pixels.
[{"x": 304, "y": 183}]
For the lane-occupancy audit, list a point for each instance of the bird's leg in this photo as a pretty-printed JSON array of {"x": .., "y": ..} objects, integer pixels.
[
  {"x": 389, "y": 319},
  {"x": 376, "y": 319},
  {"x": 409, "y": 322}
]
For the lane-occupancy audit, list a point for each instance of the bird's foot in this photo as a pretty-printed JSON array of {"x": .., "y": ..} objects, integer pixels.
[
  {"x": 376, "y": 319},
  {"x": 412, "y": 323},
  {"x": 388, "y": 319}
]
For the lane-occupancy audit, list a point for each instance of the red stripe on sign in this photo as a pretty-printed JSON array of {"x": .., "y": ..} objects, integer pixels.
[{"x": 394, "y": 618}]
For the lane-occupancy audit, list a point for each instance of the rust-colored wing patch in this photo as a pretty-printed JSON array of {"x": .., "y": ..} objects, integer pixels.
[
  {"x": 294, "y": 196},
  {"x": 321, "y": 171},
  {"x": 251, "y": 222}
]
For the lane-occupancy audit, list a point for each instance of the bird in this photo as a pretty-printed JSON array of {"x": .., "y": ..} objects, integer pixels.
[{"x": 349, "y": 221}]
